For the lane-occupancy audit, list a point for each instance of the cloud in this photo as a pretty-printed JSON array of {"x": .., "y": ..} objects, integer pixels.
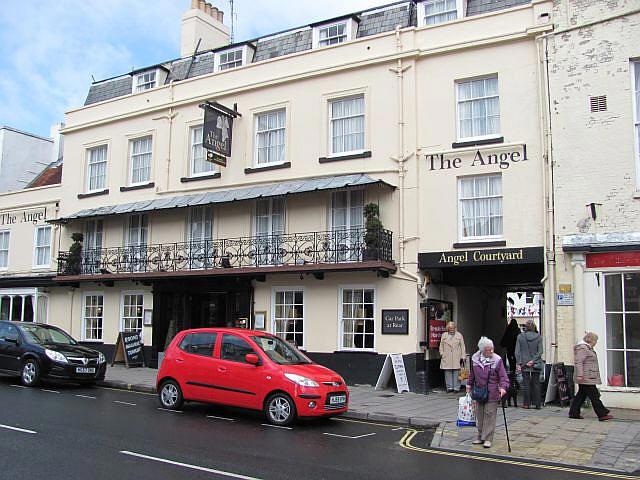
[{"x": 54, "y": 47}]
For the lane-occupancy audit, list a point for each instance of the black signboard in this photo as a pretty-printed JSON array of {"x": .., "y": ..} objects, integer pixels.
[
  {"x": 395, "y": 322},
  {"x": 479, "y": 257},
  {"x": 216, "y": 134},
  {"x": 129, "y": 350}
]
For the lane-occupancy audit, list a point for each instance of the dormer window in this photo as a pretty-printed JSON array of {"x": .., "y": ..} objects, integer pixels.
[
  {"x": 334, "y": 33},
  {"x": 431, "y": 12},
  {"x": 145, "y": 81},
  {"x": 230, "y": 59}
]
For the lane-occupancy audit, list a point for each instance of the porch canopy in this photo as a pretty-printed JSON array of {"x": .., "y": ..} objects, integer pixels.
[{"x": 226, "y": 196}]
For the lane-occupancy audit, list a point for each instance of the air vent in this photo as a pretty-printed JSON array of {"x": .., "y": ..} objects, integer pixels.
[{"x": 598, "y": 104}]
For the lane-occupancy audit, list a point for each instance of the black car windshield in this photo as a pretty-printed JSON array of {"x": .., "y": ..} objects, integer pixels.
[
  {"x": 280, "y": 351},
  {"x": 45, "y": 335}
]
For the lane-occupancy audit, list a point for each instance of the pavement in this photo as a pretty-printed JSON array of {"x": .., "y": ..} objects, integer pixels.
[{"x": 546, "y": 435}]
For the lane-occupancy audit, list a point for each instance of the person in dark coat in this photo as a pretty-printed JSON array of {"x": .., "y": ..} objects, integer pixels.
[
  {"x": 529, "y": 361},
  {"x": 508, "y": 342}
]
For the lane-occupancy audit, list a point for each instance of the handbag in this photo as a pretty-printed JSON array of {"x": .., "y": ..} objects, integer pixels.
[{"x": 479, "y": 393}]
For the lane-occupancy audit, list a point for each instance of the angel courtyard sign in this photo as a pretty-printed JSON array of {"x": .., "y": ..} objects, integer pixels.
[{"x": 501, "y": 157}]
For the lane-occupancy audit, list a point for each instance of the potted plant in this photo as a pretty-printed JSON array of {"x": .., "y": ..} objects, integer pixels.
[
  {"x": 74, "y": 260},
  {"x": 373, "y": 229}
]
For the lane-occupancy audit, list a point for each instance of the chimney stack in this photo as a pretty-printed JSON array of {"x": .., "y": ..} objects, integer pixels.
[{"x": 203, "y": 21}]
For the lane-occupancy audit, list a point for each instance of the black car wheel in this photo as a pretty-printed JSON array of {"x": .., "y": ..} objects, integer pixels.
[
  {"x": 30, "y": 373},
  {"x": 280, "y": 409},
  {"x": 170, "y": 395}
]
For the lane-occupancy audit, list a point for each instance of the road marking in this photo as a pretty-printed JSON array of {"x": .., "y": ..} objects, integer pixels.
[
  {"x": 24, "y": 430},
  {"x": 399, "y": 428},
  {"x": 222, "y": 418},
  {"x": 406, "y": 443},
  {"x": 124, "y": 403},
  {"x": 276, "y": 426},
  {"x": 128, "y": 391},
  {"x": 349, "y": 436},
  {"x": 168, "y": 410},
  {"x": 187, "y": 465},
  {"x": 50, "y": 391},
  {"x": 19, "y": 386},
  {"x": 86, "y": 396},
  {"x": 364, "y": 422}
]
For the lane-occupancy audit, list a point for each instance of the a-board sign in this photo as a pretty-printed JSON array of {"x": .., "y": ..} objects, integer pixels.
[
  {"x": 558, "y": 386},
  {"x": 393, "y": 363},
  {"x": 395, "y": 322},
  {"x": 129, "y": 350}
]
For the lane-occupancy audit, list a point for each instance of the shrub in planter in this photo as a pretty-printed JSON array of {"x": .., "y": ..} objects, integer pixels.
[
  {"x": 374, "y": 228},
  {"x": 74, "y": 260}
]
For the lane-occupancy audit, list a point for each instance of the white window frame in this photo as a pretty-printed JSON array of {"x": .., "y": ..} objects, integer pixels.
[
  {"x": 221, "y": 67},
  {"x": 90, "y": 165},
  {"x": 132, "y": 141},
  {"x": 36, "y": 247},
  {"x": 294, "y": 289},
  {"x": 257, "y": 116},
  {"x": 341, "y": 290},
  {"x": 195, "y": 143},
  {"x": 635, "y": 71},
  {"x": 145, "y": 85},
  {"x": 123, "y": 294},
  {"x": 330, "y": 119},
  {"x": 477, "y": 238},
  {"x": 458, "y": 101},
  {"x": 8, "y": 249},
  {"x": 84, "y": 317},
  {"x": 422, "y": 13},
  {"x": 350, "y": 30}
]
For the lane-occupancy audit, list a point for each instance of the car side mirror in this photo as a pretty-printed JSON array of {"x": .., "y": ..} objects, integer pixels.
[{"x": 252, "y": 358}]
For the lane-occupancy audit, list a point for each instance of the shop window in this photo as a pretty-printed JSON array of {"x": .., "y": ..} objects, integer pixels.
[
  {"x": 346, "y": 125},
  {"x": 4, "y": 249},
  {"x": 288, "y": 316},
  {"x": 478, "y": 108},
  {"x": 234, "y": 349},
  {"x": 270, "y": 138},
  {"x": 199, "y": 164},
  {"x": 93, "y": 316},
  {"x": 96, "y": 168},
  {"x": 42, "y": 247},
  {"x": 21, "y": 307},
  {"x": 480, "y": 207},
  {"x": 357, "y": 323},
  {"x": 132, "y": 312},
  {"x": 622, "y": 320},
  {"x": 140, "y": 161}
]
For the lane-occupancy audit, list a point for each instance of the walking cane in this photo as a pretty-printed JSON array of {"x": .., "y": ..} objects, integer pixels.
[{"x": 506, "y": 429}]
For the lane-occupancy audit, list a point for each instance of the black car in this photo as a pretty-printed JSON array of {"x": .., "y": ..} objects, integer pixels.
[{"x": 36, "y": 351}]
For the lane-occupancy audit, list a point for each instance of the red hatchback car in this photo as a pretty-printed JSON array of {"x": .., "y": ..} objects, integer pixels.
[{"x": 248, "y": 369}]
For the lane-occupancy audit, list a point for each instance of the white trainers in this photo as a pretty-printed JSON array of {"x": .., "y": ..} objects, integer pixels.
[
  {"x": 487, "y": 444},
  {"x": 477, "y": 441}
]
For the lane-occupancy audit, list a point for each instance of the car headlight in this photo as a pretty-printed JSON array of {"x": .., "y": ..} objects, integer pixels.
[
  {"x": 300, "y": 380},
  {"x": 56, "y": 356},
  {"x": 101, "y": 358}
]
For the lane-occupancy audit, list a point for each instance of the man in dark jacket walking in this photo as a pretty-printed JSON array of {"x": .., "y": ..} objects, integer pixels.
[{"x": 529, "y": 360}]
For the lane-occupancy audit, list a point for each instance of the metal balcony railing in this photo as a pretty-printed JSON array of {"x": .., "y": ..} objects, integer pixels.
[{"x": 336, "y": 246}]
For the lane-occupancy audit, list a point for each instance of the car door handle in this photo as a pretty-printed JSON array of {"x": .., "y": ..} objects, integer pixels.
[
  {"x": 179, "y": 360},
  {"x": 222, "y": 369}
]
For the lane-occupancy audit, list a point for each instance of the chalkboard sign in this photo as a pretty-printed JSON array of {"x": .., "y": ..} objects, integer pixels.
[
  {"x": 395, "y": 322},
  {"x": 129, "y": 350}
]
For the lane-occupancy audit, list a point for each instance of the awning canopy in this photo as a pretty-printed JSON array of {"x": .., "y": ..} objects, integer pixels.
[{"x": 226, "y": 196}]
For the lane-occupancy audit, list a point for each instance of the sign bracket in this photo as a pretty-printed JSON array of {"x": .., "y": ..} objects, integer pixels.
[{"x": 221, "y": 108}]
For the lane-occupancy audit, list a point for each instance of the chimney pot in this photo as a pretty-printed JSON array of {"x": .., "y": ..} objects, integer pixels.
[
  {"x": 220, "y": 16},
  {"x": 201, "y": 5},
  {"x": 194, "y": 4}
]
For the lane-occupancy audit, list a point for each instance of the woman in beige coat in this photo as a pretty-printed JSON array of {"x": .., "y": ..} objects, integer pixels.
[{"x": 452, "y": 353}]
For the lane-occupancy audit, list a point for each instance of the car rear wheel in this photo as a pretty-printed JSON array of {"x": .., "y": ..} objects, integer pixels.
[
  {"x": 30, "y": 373},
  {"x": 170, "y": 395},
  {"x": 280, "y": 409}
]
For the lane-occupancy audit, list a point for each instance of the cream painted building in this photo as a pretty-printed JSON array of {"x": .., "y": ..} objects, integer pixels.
[
  {"x": 595, "y": 115},
  {"x": 429, "y": 110}
]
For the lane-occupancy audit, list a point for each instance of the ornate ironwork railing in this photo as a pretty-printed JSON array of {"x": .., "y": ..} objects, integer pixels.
[{"x": 269, "y": 250}]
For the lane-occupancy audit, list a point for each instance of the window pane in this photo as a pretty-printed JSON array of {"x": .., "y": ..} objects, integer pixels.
[
  {"x": 632, "y": 330},
  {"x": 615, "y": 337},
  {"x": 235, "y": 348},
  {"x": 613, "y": 293},
  {"x": 633, "y": 369},
  {"x": 632, "y": 292},
  {"x": 615, "y": 364}
]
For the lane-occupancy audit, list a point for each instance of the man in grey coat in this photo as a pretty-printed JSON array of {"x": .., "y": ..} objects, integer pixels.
[{"x": 529, "y": 361}]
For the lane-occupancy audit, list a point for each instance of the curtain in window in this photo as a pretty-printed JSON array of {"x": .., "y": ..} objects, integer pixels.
[
  {"x": 97, "y": 168},
  {"x": 270, "y": 137},
  {"x": 438, "y": 11},
  {"x": 43, "y": 245},
  {"x": 199, "y": 163},
  {"x": 43, "y": 303},
  {"x": 141, "y": 160},
  {"x": 347, "y": 125},
  {"x": 4, "y": 249},
  {"x": 466, "y": 186}
]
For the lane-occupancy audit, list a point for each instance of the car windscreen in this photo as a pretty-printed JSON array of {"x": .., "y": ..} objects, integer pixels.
[
  {"x": 44, "y": 335},
  {"x": 280, "y": 351}
]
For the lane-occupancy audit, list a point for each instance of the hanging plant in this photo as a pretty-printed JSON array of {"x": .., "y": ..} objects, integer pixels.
[
  {"x": 374, "y": 228},
  {"x": 74, "y": 261}
]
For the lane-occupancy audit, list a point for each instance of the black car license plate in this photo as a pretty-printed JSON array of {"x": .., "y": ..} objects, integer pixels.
[{"x": 85, "y": 370}]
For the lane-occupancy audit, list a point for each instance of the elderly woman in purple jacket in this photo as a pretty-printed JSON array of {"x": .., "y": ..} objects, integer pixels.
[{"x": 487, "y": 369}]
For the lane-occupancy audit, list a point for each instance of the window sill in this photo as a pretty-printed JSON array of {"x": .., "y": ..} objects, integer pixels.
[
  {"x": 93, "y": 194},
  {"x": 200, "y": 177},
  {"x": 137, "y": 187},
  {"x": 337, "y": 158},
  {"x": 481, "y": 243},
  {"x": 268, "y": 167},
  {"x": 475, "y": 143},
  {"x": 41, "y": 267},
  {"x": 608, "y": 388},
  {"x": 636, "y": 194}
]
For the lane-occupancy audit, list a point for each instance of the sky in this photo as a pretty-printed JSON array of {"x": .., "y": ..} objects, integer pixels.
[{"x": 50, "y": 49}]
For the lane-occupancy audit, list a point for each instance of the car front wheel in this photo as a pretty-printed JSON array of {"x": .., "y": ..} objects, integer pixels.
[
  {"x": 280, "y": 409},
  {"x": 170, "y": 395},
  {"x": 30, "y": 373}
]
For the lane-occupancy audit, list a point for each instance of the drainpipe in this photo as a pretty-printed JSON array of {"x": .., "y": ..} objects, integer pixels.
[
  {"x": 401, "y": 158},
  {"x": 170, "y": 116}
]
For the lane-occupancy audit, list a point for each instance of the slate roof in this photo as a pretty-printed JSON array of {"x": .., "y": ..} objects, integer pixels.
[
  {"x": 226, "y": 196},
  {"x": 109, "y": 89},
  {"x": 476, "y": 7}
]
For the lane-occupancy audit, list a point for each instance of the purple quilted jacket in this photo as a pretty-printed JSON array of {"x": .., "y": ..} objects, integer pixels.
[{"x": 494, "y": 374}]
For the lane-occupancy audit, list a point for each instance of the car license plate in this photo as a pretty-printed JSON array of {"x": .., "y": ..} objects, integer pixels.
[
  {"x": 337, "y": 399},
  {"x": 85, "y": 370}
]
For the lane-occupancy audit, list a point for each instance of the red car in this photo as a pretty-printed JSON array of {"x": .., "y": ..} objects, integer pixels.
[{"x": 248, "y": 369}]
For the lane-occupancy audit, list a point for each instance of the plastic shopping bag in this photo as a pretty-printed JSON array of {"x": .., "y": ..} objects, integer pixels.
[{"x": 466, "y": 412}]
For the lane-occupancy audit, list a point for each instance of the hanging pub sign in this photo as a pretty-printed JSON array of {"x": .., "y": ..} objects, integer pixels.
[{"x": 217, "y": 132}]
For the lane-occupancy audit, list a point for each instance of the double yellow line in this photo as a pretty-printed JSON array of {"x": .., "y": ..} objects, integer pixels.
[{"x": 405, "y": 442}]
